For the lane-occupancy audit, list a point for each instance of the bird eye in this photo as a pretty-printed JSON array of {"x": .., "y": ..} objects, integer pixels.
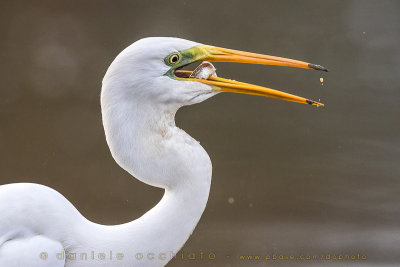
[{"x": 174, "y": 58}]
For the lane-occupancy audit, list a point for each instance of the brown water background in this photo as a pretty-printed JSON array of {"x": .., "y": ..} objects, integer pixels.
[{"x": 301, "y": 179}]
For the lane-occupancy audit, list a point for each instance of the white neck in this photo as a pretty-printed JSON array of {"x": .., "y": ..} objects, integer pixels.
[{"x": 146, "y": 143}]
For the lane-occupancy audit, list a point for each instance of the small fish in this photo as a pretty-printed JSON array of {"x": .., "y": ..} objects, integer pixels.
[{"x": 204, "y": 71}]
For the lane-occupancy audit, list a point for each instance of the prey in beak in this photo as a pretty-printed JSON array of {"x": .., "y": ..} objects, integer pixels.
[{"x": 205, "y": 73}]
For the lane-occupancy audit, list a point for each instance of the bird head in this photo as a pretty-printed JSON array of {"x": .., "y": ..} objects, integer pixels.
[
  {"x": 144, "y": 87},
  {"x": 153, "y": 69}
]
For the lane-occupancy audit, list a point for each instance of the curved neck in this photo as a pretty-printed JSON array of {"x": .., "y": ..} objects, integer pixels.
[{"x": 146, "y": 143}]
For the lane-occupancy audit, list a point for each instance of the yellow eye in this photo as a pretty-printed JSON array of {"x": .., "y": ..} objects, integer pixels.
[{"x": 174, "y": 58}]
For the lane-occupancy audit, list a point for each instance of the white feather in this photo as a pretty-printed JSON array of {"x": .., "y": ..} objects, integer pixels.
[{"x": 138, "y": 107}]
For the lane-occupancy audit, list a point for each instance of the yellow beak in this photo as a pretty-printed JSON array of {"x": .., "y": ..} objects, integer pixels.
[{"x": 217, "y": 54}]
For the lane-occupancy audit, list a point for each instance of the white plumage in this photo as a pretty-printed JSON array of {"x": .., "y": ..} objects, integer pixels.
[
  {"x": 141, "y": 92},
  {"x": 138, "y": 107}
]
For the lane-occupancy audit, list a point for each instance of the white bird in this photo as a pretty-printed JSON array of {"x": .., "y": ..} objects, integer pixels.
[{"x": 141, "y": 92}]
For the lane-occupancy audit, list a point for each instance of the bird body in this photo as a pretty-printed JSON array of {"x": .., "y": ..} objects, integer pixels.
[{"x": 141, "y": 93}]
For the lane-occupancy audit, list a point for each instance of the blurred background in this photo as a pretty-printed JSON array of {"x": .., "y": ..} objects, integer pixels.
[{"x": 288, "y": 179}]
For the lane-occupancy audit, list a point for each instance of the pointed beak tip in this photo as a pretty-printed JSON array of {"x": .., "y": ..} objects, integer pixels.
[
  {"x": 314, "y": 103},
  {"x": 317, "y": 67}
]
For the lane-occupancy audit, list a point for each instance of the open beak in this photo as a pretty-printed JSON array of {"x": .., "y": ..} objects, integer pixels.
[{"x": 217, "y": 54}]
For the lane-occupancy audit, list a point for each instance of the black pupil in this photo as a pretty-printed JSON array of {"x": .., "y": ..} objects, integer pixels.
[{"x": 174, "y": 58}]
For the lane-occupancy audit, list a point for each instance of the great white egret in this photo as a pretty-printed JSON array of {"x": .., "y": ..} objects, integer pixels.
[{"x": 141, "y": 92}]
